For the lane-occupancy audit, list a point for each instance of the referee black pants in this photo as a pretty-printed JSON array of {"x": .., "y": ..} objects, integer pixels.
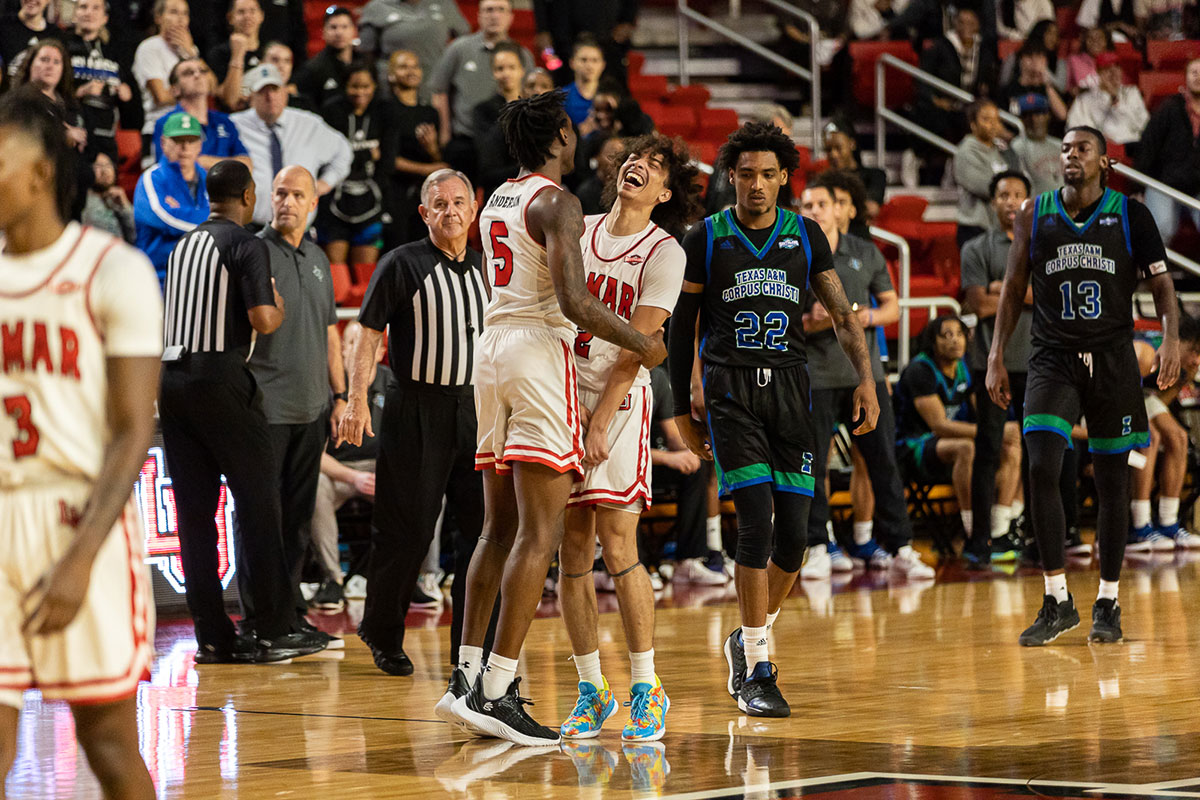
[
  {"x": 427, "y": 441},
  {"x": 213, "y": 425},
  {"x": 297, "y": 451},
  {"x": 893, "y": 528}
]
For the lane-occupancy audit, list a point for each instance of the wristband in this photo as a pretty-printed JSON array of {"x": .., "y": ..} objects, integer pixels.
[{"x": 341, "y": 396}]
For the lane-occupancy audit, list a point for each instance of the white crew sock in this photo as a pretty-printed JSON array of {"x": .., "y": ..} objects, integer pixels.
[
  {"x": 1139, "y": 513},
  {"x": 1168, "y": 511},
  {"x": 1056, "y": 586},
  {"x": 968, "y": 521},
  {"x": 1108, "y": 590},
  {"x": 754, "y": 642},
  {"x": 588, "y": 667},
  {"x": 1018, "y": 507},
  {"x": 713, "y": 532},
  {"x": 470, "y": 661},
  {"x": 1001, "y": 517},
  {"x": 641, "y": 668},
  {"x": 774, "y": 615},
  {"x": 863, "y": 531},
  {"x": 497, "y": 676}
]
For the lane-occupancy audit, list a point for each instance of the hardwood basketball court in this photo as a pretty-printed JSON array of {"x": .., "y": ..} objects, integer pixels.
[{"x": 900, "y": 691}]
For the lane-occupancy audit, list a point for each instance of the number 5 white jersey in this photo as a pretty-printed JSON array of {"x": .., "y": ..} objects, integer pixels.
[
  {"x": 624, "y": 272},
  {"x": 63, "y": 311},
  {"x": 515, "y": 264}
]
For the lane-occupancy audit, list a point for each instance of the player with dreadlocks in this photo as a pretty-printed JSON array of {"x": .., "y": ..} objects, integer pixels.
[
  {"x": 749, "y": 269},
  {"x": 635, "y": 266},
  {"x": 529, "y": 433}
]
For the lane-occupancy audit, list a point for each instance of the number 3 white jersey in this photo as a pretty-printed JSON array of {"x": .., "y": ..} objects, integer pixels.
[
  {"x": 624, "y": 272},
  {"x": 516, "y": 267},
  {"x": 63, "y": 311}
]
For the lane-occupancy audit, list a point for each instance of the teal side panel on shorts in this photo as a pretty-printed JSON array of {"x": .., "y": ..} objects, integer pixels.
[
  {"x": 1120, "y": 444},
  {"x": 1047, "y": 422},
  {"x": 747, "y": 476},
  {"x": 795, "y": 482}
]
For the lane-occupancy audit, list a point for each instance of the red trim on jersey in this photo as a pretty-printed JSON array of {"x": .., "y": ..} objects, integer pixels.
[
  {"x": 87, "y": 288},
  {"x": 650, "y": 255},
  {"x": 533, "y": 175},
  {"x": 615, "y": 500},
  {"x": 573, "y": 420},
  {"x": 632, "y": 247},
  {"x": 53, "y": 272},
  {"x": 525, "y": 211},
  {"x": 562, "y": 469}
]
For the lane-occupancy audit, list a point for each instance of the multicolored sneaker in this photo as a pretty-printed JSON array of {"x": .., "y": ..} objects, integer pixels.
[
  {"x": 595, "y": 704},
  {"x": 648, "y": 706},
  {"x": 594, "y": 764},
  {"x": 648, "y": 765}
]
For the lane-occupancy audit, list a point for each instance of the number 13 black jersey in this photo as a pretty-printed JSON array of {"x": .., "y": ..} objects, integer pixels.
[
  {"x": 756, "y": 286},
  {"x": 1084, "y": 273}
]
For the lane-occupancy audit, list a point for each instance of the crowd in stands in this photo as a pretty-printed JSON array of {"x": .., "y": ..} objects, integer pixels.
[{"x": 399, "y": 90}]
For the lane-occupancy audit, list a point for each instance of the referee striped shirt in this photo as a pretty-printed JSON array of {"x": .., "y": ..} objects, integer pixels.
[
  {"x": 215, "y": 274},
  {"x": 432, "y": 308}
]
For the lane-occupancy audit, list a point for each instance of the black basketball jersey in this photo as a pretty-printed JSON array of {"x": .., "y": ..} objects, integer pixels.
[
  {"x": 1084, "y": 274},
  {"x": 754, "y": 298}
]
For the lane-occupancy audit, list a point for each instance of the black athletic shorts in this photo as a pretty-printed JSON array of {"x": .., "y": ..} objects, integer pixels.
[
  {"x": 760, "y": 421},
  {"x": 1105, "y": 386},
  {"x": 918, "y": 461}
]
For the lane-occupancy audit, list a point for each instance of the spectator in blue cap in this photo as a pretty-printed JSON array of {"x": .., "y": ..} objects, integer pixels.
[{"x": 1036, "y": 150}]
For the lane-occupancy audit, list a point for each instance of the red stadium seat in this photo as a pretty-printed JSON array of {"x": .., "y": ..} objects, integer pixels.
[
  {"x": 676, "y": 121},
  {"x": 1065, "y": 16},
  {"x": 1171, "y": 55},
  {"x": 648, "y": 88},
  {"x": 634, "y": 62},
  {"x": 902, "y": 208},
  {"x": 1131, "y": 61},
  {"x": 342, "y": 284},
  {"x": 524, "y": 25},
  {"x": 1006, "y": 47},
  {"x": 717, "y": 123},
  {"x": 1158, "y": 86},
  {"x": 705, "y": 151},
  {"x": 694, "y": 96},
  {"x": 899, "y": 85},
  {"x": 129, "y": 160}
]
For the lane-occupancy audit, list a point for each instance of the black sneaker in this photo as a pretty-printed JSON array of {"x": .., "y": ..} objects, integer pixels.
[
  {"x": 505, "y": 717},
  {"x": 1052, "y": 621},
  {"x": 241, "y": 651},
  {"x": 977, "y": 553},
  {"x": 287, "y": 647},
  {"x": 1075, "y": 544},
  {"x": 1106, "y": 622},
  {"x": 329, "y": 597},
  {"x": 1006, "y": 548},
  {"x": 331, "y": 642},
  {"x": 735, "y": 657},
  {"x": 759, "y": 695},
  {"x": 397, "y": 663},
  {"x": 457, "y": 688}
]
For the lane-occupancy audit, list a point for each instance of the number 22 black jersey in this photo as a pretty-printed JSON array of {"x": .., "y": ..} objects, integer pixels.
[
  {"x": 754, "y": 294},
  {"x": 1084, "y": 273}
]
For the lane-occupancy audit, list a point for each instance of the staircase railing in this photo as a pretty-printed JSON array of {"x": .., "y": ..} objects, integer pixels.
[
  {"x": 812, "y": 74},
  {"x": 884, "y": 115}
]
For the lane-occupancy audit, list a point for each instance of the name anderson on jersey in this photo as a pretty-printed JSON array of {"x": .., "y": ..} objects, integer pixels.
[
  {"x": 1081, "y": 256},
  {"x": 761, "y": 281}
]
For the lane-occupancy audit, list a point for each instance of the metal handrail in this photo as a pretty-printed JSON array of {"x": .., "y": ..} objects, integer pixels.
[
  {"x": 905, "y": 331},
  {"x": 812, "y": 74},
  {"x": 884, "y": 114}
]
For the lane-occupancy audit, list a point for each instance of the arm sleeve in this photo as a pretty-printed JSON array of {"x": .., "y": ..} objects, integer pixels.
[
  {"x": 663, "y": 275},
  {"x": 127, "y": 304},
  {"x": 695, "y": 248},
  {"x": 682, "y": 349},
  {"x": 384, "y": 293},
  {"x": 252, "y": 262},
  {"x": 1147, "y": 244},
  {"x": 822, "y": 256},
  {"x": 974, "y": 270},
  {"x": 660, "y": 385}
]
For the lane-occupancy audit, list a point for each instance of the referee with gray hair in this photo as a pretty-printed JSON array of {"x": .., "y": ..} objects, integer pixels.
[
  {"x": 430, "y": 296},
  {"x": 220, "y": 294}
]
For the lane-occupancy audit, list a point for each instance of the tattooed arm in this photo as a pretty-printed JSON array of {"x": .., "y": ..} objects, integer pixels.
[{"x": 828, "y": 289}]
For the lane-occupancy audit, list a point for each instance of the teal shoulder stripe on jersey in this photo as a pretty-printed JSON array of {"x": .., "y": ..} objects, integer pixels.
[
  {"x": 720, "y": 226},
  {"x": 1112, "y": 202},
  {"x": 791, "y": 223},
  {"x": 1045, "y": 204}
]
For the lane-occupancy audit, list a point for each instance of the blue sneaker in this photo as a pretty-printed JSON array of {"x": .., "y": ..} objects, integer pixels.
[
  {"x": 595, "y": 704},
  {"x": 870, "y": 555},
  {"x": 1147, "y": 539},
  {"x": 838, "y": 560}
]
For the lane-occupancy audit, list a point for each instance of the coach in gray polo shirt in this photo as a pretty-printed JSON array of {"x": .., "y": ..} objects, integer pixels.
[
  {"x": 864, "y": 276},
  {"x": 300, "y": 363}
]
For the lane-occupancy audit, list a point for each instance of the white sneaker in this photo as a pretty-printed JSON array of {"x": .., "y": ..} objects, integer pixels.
[
  {"x": 1186, "y": 540},
  {"x": 355, "y": 588},
  {"x": 817, "y": 565},
  {"x": 908, "y": 562},
  {"x": 308, "y": 590},
  {"x": 838, "y": 560},
  {"x": 729, "y": 564},
  {"x": 667, "y": 570},
  {"x": 656, "y": 581},
  {"x": 694, "y": 570},
  {"x": 431, "y": 585}
]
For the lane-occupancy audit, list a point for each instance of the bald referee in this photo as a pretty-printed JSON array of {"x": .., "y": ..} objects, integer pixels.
[{"x": 219, "y": 293}]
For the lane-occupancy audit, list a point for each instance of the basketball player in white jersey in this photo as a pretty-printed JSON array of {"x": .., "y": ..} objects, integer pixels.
[
  {"x": 636, "y": 269},
  {"x": 81, "y": 324},
  {"x": 530, "y": 437}
]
